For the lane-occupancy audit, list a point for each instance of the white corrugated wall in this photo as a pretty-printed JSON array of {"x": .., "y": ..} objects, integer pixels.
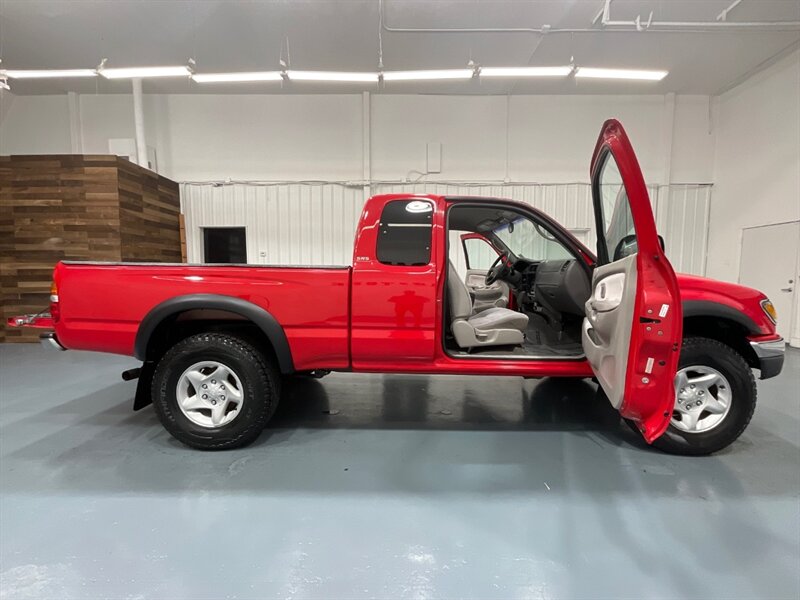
[
  {"x": 290, "y": 224},
  {"x": 314, "y": 223},
  {"x": 682, "y": 213}
]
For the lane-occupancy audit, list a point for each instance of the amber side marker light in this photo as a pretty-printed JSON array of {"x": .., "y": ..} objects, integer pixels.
[{"x": 769, "y": 310}]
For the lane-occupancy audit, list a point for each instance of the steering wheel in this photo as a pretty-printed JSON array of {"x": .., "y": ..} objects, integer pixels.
[{"x": 498, "y": 270}]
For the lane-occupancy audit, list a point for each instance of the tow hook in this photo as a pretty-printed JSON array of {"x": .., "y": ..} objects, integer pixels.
[{"x": 131, "y": 374}]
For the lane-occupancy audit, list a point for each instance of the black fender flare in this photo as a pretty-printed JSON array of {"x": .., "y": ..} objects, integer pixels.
[
  {"x": 708, "y": 308},
  {"x": 262, "y": 319}
]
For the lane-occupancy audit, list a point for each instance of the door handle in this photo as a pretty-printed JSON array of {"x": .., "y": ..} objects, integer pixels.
[
  {"x": 786, "y": 289},
  {"x": 604, "y": 305}
]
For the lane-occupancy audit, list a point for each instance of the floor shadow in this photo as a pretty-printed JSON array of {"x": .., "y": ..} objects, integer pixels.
[{"x": 417, "y": 402}]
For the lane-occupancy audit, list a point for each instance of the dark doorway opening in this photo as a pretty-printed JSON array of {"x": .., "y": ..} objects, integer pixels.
[{"x": 225, "y": 245}]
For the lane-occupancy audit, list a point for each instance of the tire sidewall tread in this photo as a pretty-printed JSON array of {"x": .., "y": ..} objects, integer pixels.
[
  {"x": 723, "y": 358},
  {"x": 258, "y": 377}
]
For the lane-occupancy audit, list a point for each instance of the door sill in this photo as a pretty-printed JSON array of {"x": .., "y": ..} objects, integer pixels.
[{"x": 500, "y": 355}]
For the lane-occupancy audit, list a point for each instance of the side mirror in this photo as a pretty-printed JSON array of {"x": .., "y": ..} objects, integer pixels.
[
  {"x": 625, "y": 247},
  {"x": 628, "y": 246}
]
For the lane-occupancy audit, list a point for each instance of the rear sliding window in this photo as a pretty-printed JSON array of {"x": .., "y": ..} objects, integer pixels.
[{"x": 404, "y": 236}]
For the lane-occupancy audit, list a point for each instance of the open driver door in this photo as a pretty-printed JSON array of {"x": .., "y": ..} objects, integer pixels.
[{"x": 633, "y": 326}]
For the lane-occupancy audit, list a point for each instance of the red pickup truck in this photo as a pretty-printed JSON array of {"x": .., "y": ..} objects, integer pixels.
[{"x": 439, "y": 285}]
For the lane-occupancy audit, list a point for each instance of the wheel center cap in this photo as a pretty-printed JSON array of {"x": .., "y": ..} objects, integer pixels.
[
  {"x": 689, "y": 399},
  {"x": 208, "y": 394}
]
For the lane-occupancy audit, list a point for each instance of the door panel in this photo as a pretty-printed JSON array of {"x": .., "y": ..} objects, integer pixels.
[
  {"x": 608, "y": 324},
  {"x": 633, "y": 326},
  {"x": 394, "y": 283}
]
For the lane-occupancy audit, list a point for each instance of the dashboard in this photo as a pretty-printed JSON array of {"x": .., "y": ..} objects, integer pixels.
[{"x": 560, "y": 285}]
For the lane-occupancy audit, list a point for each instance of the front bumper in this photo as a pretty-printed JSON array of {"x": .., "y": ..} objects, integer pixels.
[{"x": 770, "y": 356}]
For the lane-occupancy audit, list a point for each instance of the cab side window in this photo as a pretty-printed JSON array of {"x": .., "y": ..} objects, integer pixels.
[
  {"x": 479, "y": 254},
  {"x": 618, "y": 235},
  {"x": 404, "y": 235}
]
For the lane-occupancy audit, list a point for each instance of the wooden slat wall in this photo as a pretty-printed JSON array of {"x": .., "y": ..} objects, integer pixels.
[
  {"x": 149, "y": 215},
  {"x": 76, "y": 207},
  {"x": 183, "y": 237}
]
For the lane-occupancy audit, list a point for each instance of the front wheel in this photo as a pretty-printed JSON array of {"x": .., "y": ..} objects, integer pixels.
[
  {"x": 715, "y": 397},
  {"x": 214, "y": 391}
]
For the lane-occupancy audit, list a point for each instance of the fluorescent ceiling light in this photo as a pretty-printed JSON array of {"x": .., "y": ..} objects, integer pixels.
[
  {"x": 525, "y": 71},
  {"x": 237, "y": 77},
  {"x": 620, "y": 74},
  {"x": 136, "y": 72},
  {"x": 427, "y": 75},
  {"x": 332, "y": 76},
  {"x": 47, "y": 74}
]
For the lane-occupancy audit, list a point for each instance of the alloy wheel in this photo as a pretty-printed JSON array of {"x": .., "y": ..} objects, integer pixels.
[
  {"x": 210, "y": 394},
  {"x": 702, "y": 399}
]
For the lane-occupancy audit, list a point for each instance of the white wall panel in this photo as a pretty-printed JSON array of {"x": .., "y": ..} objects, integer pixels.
[
  {"x": 551, "y": 140},
  {"x": 757, "y": 161},
  {"x": 245, "y": 137},
  {"x": 757, "y": 168},
  {"x": 472, "y": 133},
  {"x": 681, "y": 213},
  {"x": 216, "y": 137},
  {"x": 35, "y": 125},
  {"x": 286, "y": 224},
  {"x": 315, "y": 224}
]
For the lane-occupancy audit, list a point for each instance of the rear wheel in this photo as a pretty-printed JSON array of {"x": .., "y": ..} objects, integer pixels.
[
  {"x": 214, "y": 391},
  {"x": 715, "y": 397}
]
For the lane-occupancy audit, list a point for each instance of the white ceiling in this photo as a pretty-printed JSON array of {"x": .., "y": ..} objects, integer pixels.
[{"x": 343, "y": 35}]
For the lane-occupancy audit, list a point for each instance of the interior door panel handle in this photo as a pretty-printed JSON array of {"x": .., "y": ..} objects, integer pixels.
[
  {"x": 604, "y": 305},
  {"x": 608, "y": 293}
]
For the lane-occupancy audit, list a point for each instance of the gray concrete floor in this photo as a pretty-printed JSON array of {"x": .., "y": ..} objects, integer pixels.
[{"x": 385, "y": 486}]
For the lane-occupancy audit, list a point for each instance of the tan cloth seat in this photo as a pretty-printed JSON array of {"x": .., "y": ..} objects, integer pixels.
[
  {"x": 491, "y": 327},
  {"x": 483, "y": 296}
]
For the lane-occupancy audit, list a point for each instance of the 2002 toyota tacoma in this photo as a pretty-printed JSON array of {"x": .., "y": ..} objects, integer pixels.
[{"x": 673, "y": 354}]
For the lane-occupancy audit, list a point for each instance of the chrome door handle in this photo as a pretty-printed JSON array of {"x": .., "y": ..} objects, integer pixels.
[{"x": 786, "y": 289}]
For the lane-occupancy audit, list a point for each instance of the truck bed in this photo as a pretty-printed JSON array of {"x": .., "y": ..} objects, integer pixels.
[{"x": 103, "y": 303}]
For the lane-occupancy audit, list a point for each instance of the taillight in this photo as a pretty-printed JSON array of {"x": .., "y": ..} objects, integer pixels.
[{"x": 55, "y": 310}]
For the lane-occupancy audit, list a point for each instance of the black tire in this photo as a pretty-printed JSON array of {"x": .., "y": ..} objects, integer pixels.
[
  {"x": 697, "y": 351},
  {"x": 260, "y": 386}
]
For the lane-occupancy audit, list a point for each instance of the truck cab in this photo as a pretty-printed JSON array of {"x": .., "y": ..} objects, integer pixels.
[{"x": 492, "y": 286}]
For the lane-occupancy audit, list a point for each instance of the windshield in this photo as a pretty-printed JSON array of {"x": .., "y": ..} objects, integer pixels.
[{"x": 530, "y": 241}]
